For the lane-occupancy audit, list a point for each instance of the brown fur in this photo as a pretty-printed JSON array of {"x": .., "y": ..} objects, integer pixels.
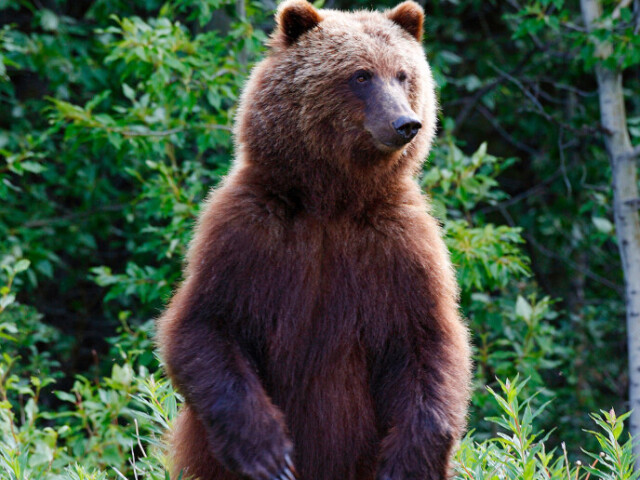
[{"x": 319, "y": 311}]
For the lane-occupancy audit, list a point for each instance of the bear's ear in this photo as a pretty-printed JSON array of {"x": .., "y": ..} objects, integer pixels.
[
  {"x": 410, "y": 16},
  {"x": 296, "y": 17}
]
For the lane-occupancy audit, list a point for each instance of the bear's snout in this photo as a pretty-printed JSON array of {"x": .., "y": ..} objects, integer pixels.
[{"x": 388, "y": 116}]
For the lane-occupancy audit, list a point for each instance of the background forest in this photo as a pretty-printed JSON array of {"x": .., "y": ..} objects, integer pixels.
[{"x": 115, "y": 121}]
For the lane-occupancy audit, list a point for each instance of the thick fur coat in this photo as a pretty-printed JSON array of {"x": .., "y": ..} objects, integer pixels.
[{"x": 317, "y": 327}]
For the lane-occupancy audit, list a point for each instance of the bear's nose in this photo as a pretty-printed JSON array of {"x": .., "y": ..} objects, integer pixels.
[{"x": 406, "y": 127}]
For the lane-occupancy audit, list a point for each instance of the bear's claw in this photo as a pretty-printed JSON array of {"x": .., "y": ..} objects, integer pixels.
[{"x": 287, "y": 474}]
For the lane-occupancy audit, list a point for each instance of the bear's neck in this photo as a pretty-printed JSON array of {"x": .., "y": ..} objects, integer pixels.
[{"x": 325, "y": 191}]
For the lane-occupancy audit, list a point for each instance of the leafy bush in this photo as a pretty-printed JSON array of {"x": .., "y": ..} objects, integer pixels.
[
  {"x": 519, "y": 450},
  {"x": 107, "y": 423},
  {"x": 116, "y": 426}
]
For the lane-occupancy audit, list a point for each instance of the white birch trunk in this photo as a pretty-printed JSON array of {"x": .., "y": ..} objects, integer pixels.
[{"x": 625, "y": 205}]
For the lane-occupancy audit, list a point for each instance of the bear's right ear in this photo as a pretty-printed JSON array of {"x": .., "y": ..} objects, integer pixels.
[{"x": 296, "y": 17}]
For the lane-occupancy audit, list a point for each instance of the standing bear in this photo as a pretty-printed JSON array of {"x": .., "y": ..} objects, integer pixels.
[{"x": 316, "y": 334}]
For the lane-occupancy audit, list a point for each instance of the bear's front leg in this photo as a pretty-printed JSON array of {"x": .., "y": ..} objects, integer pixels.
[
  {"x": 246, "y": 433},
  {"x": 420, "y": 387}
]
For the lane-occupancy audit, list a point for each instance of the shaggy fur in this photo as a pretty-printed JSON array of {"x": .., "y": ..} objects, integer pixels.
[{"x": 318, "y": 316}]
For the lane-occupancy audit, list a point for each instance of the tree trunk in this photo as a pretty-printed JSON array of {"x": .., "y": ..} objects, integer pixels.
[
  {"x": 241, "y": 13},
  {"x": 625, "y": 205}
]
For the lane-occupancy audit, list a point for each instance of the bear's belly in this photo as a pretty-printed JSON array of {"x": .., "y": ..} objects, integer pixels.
[{"x": 330, "y": 415}]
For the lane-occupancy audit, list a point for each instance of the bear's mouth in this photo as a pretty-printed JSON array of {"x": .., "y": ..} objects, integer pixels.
[
  {"x": 393, "y": 135},
  {"x": 386, "y": 145}
]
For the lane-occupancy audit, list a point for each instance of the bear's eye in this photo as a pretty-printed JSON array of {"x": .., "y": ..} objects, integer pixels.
[
  {"x": 402, "y": 76},
  {"x": 362, "y": 76}
]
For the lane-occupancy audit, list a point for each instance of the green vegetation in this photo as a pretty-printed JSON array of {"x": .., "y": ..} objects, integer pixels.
[{"x": 116, "y": 120}]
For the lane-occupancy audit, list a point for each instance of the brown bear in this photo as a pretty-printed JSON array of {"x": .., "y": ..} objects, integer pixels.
[{"x": 316, "y": 333}]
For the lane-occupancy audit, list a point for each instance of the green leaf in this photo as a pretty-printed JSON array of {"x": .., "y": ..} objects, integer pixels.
[
  {"x": 7, "y": 300},
  {"x": 49, "y": 20},
  {"x": 602, "y": 224},
  {"x": 129, "y": 92},
  {"x": 33, "y": 167},
  {"x": 21, "y": 265},
  {"x": 523, "y": 308}
]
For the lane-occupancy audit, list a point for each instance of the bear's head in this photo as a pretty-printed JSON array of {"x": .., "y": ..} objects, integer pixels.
[{"x": 339, "y": 92}]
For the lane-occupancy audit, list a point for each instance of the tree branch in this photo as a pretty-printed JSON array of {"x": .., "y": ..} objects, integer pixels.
[
  {"x": 472, "y": 102},
  {"x": 616, "y": 12},
  {"x": 165, "y": 133},
  {"x": 506, "y": 135},
  {"x": 531, "y": 192},
  {"x": 43, "y": 222},
  {"x": 573, "y": 265},
  {"x": 539, "y": 108}
]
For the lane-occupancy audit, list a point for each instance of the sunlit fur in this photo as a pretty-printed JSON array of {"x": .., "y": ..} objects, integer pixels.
[{"x": 319, "y": 307}]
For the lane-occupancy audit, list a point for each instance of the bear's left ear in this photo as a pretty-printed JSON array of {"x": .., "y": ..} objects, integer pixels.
[
  {"x": 410, "y": 16},
  {"x": 296, "y": 17}
]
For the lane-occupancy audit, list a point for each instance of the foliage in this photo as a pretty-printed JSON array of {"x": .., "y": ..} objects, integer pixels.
[
  {"x": 513, "y": 329},
  {"x": 111, "y": 423},
  {"x": 116, "y": 425},
  {"x": 520, "y": 451}
]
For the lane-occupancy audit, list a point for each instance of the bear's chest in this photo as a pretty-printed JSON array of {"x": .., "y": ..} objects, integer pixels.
[
  {"x": 329, "y": 294},
  {"x": 340, "y": 275}
]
